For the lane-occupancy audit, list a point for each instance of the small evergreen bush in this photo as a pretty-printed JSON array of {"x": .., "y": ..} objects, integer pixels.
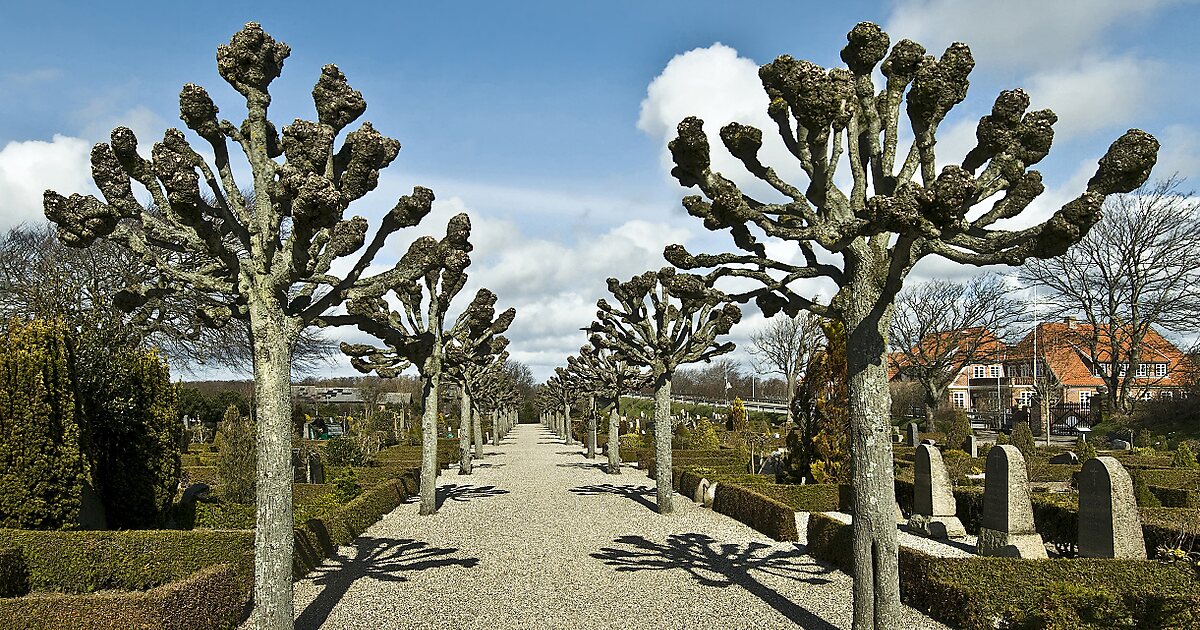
[
  {"x": 957, "y": 427},
  {"x": 1084, "y": 449},
  {"x": 1183, "y": 457},
  {"x": 237, "y": 456},
  {"x": 345, "y": 485},
  {"x": 705, "y": 435},
  {"x": 343, "y": 451}
]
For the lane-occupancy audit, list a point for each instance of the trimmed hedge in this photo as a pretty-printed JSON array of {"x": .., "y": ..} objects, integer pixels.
[
  {"x": 1172, "y": 527},
  {"x": 87, "y": 561},
  {"x": 1168, "y": 478},
  {"x": 975, "y": 593},
  {"x": 804, "y": 498},
  {"x": 210, "y": 598},
  {"x": 202, "y": 474},
  {"x": 1176, "y": 497},
  {"x": 760, "y": 512},
  {"x": 317, "y": 538},
  {"x": 14, "y": 575}
]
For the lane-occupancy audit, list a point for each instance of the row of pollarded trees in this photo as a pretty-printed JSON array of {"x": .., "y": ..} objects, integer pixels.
[
  {"x": 898, "y": 208},
  {"x": 261, "y": 254},
  {"x": 661, "y": 320}
]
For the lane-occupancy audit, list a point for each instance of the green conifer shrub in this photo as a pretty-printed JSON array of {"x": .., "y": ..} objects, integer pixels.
[
  {"x": 42, "y": 468},
  {"x": 705, "y": 435},
  {"x": 958, "y": 426},
  {"x": 237, "y": 456},
  {"x": 1183, "y": 457},
  {"x": 1084, "y": 449},
  {"x": 132, "y": 433}
]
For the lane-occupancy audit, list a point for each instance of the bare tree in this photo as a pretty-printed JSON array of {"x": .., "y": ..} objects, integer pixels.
[
  {"x": 940, "y": 327},
  {"x": 663, "y": 320},
  {"x": 265, "y": 258},
  {"x": 471, "y": 354},
  {"x": 785, "y": 345},
  {"x": 1137, "y": 269},
  {"x": 41, "y": 277},
  {"x": 897, "y": 210}
]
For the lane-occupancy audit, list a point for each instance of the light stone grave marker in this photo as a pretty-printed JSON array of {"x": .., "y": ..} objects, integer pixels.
[
  {"x": 1109, "y": 526},
  {"x": 914, "y": 436},
  {"x": 1007, "y": 528},
  {"x": 934, "y": 510}
]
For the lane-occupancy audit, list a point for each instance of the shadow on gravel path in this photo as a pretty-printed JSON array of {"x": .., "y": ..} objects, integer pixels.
[
  {"x": 629, "y": 491},
  {"x": 723, "y": 565},
  {"x": 460, "y": 493},
  {"x": 590, "y": 465},
  {"x": 378, "y": 559}
]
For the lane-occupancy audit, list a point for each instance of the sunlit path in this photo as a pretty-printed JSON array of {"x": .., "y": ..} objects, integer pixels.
[{"x": 540, "y": 537}]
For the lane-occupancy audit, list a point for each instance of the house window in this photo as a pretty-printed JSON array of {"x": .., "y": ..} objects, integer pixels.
[
  {"x": 979, "y": 371},
  {"x": 1124, "y": 369},
  {"x": 1085, "y": 400},
  {"x": 1166, "y": 394},
  {"x": 1160, "y": 370},
  {"x": 960, "y": 400},
  {"x": 1143, "y": 370},
  {"x": 1147, "y": 395},
  {"x": 1099, "y": 369},
  {"x": 995, "y": 371},
  {"x": 1026, "y": 398}
]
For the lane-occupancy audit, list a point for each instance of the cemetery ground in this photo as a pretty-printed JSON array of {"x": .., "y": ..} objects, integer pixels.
[{"x": 541, "y": 537}]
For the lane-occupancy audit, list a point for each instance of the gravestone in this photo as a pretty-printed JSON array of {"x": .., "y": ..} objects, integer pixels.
[
  {"x": 299, "y": 474},
  {"x": 971, "y": 446},
  {"x": 1007, "y": 527},
  {"x": 1109, "y": 526},
  {"x": 914, "y": 437},
  {"x": 316, "y": 469},
  {"x": 929, "y": 442},
  {"x": 895, "y": 435},
  {"x": 701, "y": 490},
  {"x": 710, "y": 494},
  {"x": 934, "y": 510},
  {"x": 1122, "y": 445},
  {"x": 1067, "y": 457}
]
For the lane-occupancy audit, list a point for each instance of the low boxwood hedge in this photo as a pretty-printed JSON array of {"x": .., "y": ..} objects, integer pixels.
[
  {"x": 1168, "y": 478},
  {"x": 202, "y": 474},
  {"x": 317, "y": 538},
  {"x": 760, "y": 512},
  {"x": 823, "y": 497},
  {"x": 210, "y": 598},
  {"x": 1176, "y": 497},
  {"x": 14, "y": 574},
  {"x": 978, "y": 593},
  {"x": 87, "y": 561}
]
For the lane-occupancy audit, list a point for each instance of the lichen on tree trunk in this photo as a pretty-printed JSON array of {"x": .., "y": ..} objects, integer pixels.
[
  {"x": 592, "y": 422},
  {"x": 477, "y": 433},
  {"x": 876, "y": 571},
  {"x": 273, "y": 539},
  {"x": 429, "y": 437},
  {"x": 464, "y": 433},
  {"x": 662, "y": 445}
]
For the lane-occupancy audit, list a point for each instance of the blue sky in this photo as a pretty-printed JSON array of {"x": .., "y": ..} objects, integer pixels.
[{"x": 547, "y": 121}]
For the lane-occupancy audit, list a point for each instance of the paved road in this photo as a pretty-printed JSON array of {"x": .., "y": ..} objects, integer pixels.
[{"x": 540, "y": 537}]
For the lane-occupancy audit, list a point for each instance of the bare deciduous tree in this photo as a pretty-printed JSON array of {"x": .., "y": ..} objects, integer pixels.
[
  {"x": 897, "y": 210},
  {"x": 265, "y": 258},
  {"x": 785, "y": 344},
  {"x": 1137, "y": 269},
  {"x": 663, "y": 320},
  {"x": 604, "y": 374},
  {"x": 939, "y": 327}
]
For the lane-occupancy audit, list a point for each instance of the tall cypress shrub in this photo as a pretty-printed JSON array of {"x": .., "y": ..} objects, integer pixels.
[
  {"x": 42, "y": 469},
  {"x": 132, "y": 434}
]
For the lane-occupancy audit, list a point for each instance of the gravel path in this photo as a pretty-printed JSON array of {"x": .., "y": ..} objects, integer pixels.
[{"x": 540, "y": 537}]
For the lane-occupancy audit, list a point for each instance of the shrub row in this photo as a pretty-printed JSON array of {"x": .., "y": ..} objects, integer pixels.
[
  {"x": 1168, "y": 478},
  {"x": 202, "y": 474},
  {"x": 14, "y": 574},
  {"x": 211, "y": 598},
  {"x": 87, "y": 561},
  {"x": 764, "y": 514},
  {"x": 317, "y": 538},
  {"x": 1176, "y": 497},
  {"x": 976, "y": 593}
]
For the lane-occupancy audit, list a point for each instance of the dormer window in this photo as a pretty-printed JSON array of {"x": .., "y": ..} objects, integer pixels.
[
  {"x": 1160, "y": 370},
  {"x": 979, "y": 371}
]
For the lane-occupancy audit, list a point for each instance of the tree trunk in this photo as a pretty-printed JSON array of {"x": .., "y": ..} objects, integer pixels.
[
  {"x": 591, "y": 449},
  {"x": 876, "y": 574},
  {"x": 464, "y": 433},
  {"x": 477, "y": 432},
  {"x": 614, "y": 441},
  {"x": 429, "y": 436},
  {"x": 273, "y": 531},
  {"x": 662, "y": 444},
  {"x": 930, "y": 407},
  {"x": 567, "y": 422}
]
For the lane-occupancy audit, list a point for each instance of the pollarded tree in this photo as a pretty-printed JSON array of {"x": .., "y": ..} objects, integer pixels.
[
  {"x": 474, "y": 377},
  {"x": 889, "y": 218},
  {"x": 563, "y": 391},
  {"x": 604, "y": 374},
  {"x": 425, "y": 280},
  {"x": 940, "y": 327},
  {"x": 265, "y": 257},
  {"x": 470, "y": 350},
  {"x": 663, "y": 320}
]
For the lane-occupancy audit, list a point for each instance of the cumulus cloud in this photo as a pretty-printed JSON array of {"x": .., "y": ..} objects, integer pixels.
[
  {"x": 28, "y": 168},
  {"x": 1094, "y": 94},
  {"x": 1018, "y": 33}
]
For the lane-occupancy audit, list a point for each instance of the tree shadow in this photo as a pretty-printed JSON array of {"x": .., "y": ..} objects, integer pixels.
[
  {"x": 637, "y": 493},
  {"x": 589, "y": 465},
  {"x": 378, "y": 559},
  {"x": 722, "y": 566},
  {"x": 487, "y": 465},
  {"x": 578, "y": 452},
  {"x": 464, "y": 493}
]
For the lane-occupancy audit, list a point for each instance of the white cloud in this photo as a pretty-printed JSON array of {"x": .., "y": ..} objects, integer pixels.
[
  {"x": 1179, "y": 153},
  {"x": 1094, "y": 94},
  {"x": 1016, "y": 33},
  {"x": 28, "y": 168},
  {"x": 719, "y": 87}
]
